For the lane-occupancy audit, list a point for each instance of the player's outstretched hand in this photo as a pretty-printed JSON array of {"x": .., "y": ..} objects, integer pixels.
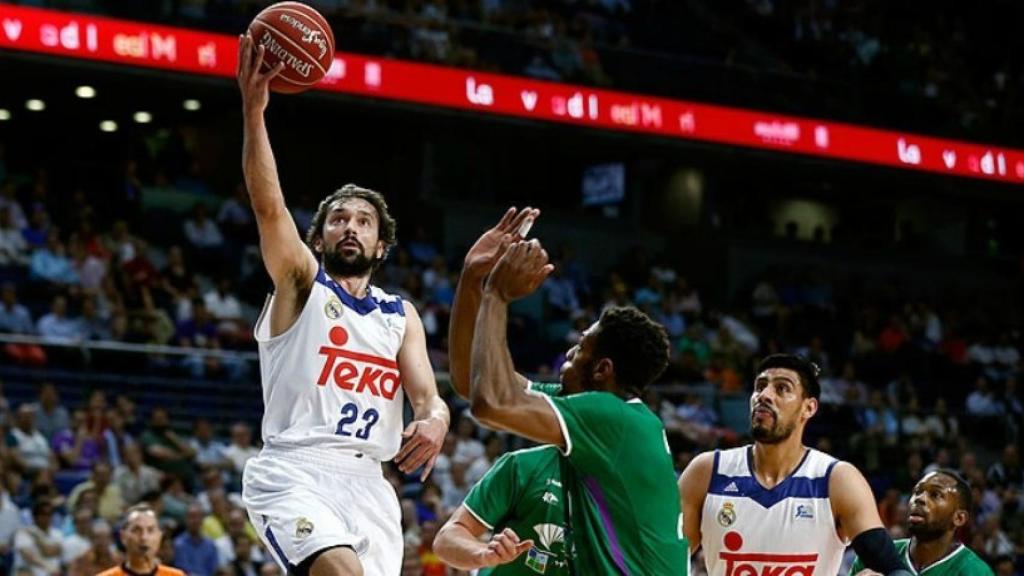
[
  {"x": 423, "y": 441},
  {"x": 484, "y": 254},
  {"x": 254, "y": 84},
  {"x": 503, "y": 548},
  {"x": 520, "y": 271}
]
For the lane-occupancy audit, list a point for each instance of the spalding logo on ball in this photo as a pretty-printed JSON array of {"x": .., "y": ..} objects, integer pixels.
[{"x": 299, "y": 36}]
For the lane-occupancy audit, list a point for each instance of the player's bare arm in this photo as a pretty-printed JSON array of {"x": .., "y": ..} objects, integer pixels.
[
  {"x": 496, "y": 393},
  {"x": 479, "y": 262},
  {"x": 425, "y": 434},
  {"x": 291, "y": 265},
  {"x": 857, "y": 520},
  {"x": 693, "y": 489},
  {"x": 459, "y": 543}
]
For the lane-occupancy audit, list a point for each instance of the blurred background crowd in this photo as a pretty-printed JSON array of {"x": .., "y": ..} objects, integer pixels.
[{"x": 130, "y": 276}]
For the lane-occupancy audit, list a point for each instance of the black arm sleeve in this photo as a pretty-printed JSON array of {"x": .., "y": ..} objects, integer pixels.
[{"x": 875, "y": 549}]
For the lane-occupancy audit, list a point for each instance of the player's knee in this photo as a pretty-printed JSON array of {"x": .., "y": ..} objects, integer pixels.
[{"x": 337, "y": 562}]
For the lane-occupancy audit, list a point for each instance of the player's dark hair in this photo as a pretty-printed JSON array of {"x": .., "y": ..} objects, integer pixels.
[
  {"x": 807, "y": 371},
  {"x": 387, "y": 227},
  {"x": 636, "y": 345},
  {"x": 963, "y": 488}
]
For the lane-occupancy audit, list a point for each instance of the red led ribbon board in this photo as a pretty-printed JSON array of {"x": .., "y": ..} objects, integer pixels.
[{"x": 85, "y": 36}]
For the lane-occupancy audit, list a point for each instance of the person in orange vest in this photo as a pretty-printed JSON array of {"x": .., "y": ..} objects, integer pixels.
[{"x": 141, "y": 537}]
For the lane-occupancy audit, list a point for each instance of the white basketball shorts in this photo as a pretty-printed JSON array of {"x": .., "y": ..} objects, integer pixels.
[{"x": 304, "y": 500}]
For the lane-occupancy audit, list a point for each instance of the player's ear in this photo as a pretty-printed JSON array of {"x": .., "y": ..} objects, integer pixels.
[
  {"x": 380, "y": 250},
  {"x": 604, "y": 370},
  {"x": 960, "y": 518},
  {"x": 318, "y": 245},
  {"x": 810, "y": 407}
]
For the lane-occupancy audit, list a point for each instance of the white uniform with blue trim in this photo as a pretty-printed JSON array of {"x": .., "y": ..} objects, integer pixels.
[
  {"x": 333, "y": 404},
  {"x": 788, "y": 530}
]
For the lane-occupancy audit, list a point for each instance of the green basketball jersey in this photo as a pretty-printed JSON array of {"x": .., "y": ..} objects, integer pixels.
[
  {"x": 523, "y": 491},
  {"x": 624, "y": 512},
  {"x": 960, "y": 562}
]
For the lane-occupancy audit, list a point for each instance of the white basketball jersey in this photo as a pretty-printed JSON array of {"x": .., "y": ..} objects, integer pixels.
[
  {"x": 331, "y": 381},
  {"x": 786, "y": 531}
]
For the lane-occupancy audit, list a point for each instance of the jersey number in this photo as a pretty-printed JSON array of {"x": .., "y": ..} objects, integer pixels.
[{"x": 349, "y": 414}]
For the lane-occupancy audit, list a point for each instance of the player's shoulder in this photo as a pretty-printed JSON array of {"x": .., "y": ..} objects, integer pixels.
[
  {"x": 529, "y": 462},
  {"x": 388, "y": 302},
  {"x": 168, "y": 571},
  {"x": 970, "y": 558},
  {"x": 115, "y": 571}
]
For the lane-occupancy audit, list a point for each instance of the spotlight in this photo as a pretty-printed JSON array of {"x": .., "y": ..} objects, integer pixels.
[
  {"x": 5, "y": 114},
  {"x": 192, "y": 104},
  {"x": 143, "y": 117},
  {"x": 85, "y": 92},
  {"x": 35, "y": 105},
  {"x": 108, "y": 126}
]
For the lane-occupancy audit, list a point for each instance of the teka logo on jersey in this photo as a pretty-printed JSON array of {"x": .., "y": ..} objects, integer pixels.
[
  {"x": 355, "y": 371},
  {"x": 762, "y": 564}
]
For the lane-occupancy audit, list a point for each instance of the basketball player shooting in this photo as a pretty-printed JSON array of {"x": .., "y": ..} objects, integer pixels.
[
  {"x": 777, "y": 504},
  {"x": 337, "y": 357}
]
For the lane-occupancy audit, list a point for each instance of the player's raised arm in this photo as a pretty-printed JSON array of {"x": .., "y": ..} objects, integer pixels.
[
  {"x": 496, "y": 393},
  {"x": 458, "y": 543},
  {"x": 853, "y": 506},
  {"x": 479, "y": 262},
  {"x": 287, "y": 259},
  {"x": 424, "y": 436}
]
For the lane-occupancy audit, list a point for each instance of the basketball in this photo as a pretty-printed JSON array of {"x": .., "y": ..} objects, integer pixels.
[{"x": 296, "y": 34}]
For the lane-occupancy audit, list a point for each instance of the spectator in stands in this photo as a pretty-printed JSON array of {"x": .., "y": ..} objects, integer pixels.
[
  {"x": 57, "y": 326},
  {"x": 467, "y": 447},
  {"x": 51, "y": 263},
  {"x": 494, "y": 447},
  {"x": 243, "y": 565},
  {"x": 77, "y": 447},
  {"x": 942, "y": 425},
  {"x": 236, "y": 219},
  {"x": 37, "y": 232},
  {"x": 560, "y": 295},
  {"x": 193, "y": 552},
  {"x": 120, "y": 243},
  {"x": 237, "y": 525},
  {"x": 135, "y": 478},
  {"x": 141, "y": 536},
  {"x": 115, "y": 438},
  {"x": 164, "y": 449},
  {"x": 51, "y": 417},
  {"x": 101, "y": 555},
  {"x": 93, "y": 327},
  {"x": 13, "y": 248},
  {"x": 10, "y": 521},
  {"x": 983, "y": 409},
  {"x": 241, "y": 449},
  {"x": 91, "y": 269},
  {"x": 174, "y": 499},
  {"x": 10, "y": 203},
  {"x": 226, "y": 309},
  {"x": 111, "y": 502},
  {"x": 30, "y": 450},
  {"x": 1007, "y": 472},
  {"x": 209, "y": 450},
  {"x": 1011, "y": 406},
  {"x": 178, "y": 282},
  {"x": 204, "y": 238},
  {"x": 79, "y": 541},
  {"x": 38, "y": 546},
  {"x": 16, "y": 319}
]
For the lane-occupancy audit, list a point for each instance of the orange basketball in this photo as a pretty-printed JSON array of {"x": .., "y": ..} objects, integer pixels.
[{"x": 299, "y": 36}]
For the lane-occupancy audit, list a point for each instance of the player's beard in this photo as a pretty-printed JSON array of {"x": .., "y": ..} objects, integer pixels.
[
  {"x": 773, "y": 434},
  {"x": 337, "y": 264},
  {"x": 926, "y": 531}
]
